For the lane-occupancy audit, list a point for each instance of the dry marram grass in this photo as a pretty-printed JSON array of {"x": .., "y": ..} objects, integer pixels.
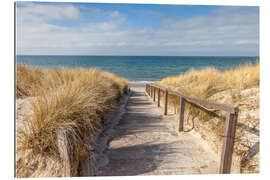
[
  {"x": 76, "y": 100},
  {"x": 207, "y": 82}
]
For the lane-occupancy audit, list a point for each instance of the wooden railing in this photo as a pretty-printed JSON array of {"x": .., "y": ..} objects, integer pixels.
[{"x": 230, "y": 124}]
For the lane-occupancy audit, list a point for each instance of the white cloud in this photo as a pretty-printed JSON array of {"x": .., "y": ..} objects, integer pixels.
[
  {"x": 227, "y": 31},
  {"x": 247, "y": 42},
  {"x": 114, "y": 14},
  {"x": 33, "y": 12}
]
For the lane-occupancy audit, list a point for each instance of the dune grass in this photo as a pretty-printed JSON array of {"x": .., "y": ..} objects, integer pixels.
[
  {"x": 221, "y": 87},
  {"x": 207, "y": 82},
  {"x": 77, "y": 100},
  {"x": 28, "y": 80}
]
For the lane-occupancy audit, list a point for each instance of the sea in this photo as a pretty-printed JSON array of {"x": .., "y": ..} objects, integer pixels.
[{"x": 138, "y": 68}]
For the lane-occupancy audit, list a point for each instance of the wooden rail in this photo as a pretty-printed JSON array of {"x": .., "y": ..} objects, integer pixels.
[{"x": 230, "y": 124}]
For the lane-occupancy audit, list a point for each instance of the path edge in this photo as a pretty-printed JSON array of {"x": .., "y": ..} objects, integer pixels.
[{"x": 102, "y": 139}]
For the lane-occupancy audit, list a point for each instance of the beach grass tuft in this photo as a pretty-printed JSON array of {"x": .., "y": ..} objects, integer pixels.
[
  {"x": 209, "y": 81},
  {"x": 75, "y": 100}
]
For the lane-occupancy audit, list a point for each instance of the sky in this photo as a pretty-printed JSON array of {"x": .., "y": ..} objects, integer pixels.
[{"x": 136, "y": 29}]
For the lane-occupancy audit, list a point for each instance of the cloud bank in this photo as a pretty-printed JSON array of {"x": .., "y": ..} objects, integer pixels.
[{"x": 66, "y": 29}]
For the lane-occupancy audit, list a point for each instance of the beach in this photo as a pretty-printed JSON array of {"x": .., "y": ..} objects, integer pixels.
[
  {"x": 104, "y": 90},
  {"x": 125, "y": 89},
  {"x": 138, "y": 86}
]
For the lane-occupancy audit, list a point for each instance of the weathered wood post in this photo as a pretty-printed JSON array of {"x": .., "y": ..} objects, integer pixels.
[
  {"x": 166, "y": 103},
  {"x": 64, "y": 153},
  {"x": 154, "y": 98},
  {"x": 158, "y": 97},
  {"x": 151, "y": 91},
  {"x": 181, "y": 113},
  {"x": 228, "y": 142}
]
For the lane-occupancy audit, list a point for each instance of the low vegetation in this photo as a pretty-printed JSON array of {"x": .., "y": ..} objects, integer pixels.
[
  {"x": 238, "y": 87},
  {"x": 207, "y": 82},
  {"x": 75, "y": 100}
]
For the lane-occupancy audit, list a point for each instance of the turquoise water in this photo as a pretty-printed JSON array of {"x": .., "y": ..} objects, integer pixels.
[{"x": 137, "y": 68}]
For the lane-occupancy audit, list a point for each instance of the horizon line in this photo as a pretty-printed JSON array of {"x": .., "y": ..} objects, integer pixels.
[{"x": 144, "y": 55}]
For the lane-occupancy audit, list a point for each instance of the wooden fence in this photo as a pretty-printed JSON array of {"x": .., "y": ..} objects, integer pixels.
[{"x": 230, "y": 124}]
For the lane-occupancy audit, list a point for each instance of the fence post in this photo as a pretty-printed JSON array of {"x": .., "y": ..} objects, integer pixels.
[
  {"x": 181, "y": 114},
  {"x": 166, "y": 103},
  {"x": 154, "y": 98},
  {"x": 158, "y": 97},
  {"x": 64, "y": 153},
  {"x": 151, "y": 90},
  {"x": 228, "y": 143}
]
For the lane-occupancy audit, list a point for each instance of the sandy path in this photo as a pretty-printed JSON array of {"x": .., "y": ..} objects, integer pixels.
[{"x": 147, "y": 143}]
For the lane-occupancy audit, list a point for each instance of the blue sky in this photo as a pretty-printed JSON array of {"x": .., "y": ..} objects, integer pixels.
[{"x": 136, "y": 29}]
